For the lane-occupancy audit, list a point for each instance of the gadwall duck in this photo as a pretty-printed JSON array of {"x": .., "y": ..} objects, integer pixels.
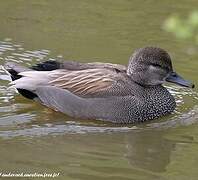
[{"x": 103, "y": 91}]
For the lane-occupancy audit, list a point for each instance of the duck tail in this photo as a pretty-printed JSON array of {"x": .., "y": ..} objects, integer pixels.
[{"x": 12, "y": 70}]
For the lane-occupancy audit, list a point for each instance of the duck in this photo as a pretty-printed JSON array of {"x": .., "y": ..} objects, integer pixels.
[{"x": 102, "y": 91}]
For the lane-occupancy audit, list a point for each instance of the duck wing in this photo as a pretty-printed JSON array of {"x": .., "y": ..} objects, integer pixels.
[
  {"x": 83, "y": 83},
  {"x": 74, "y": 66}
]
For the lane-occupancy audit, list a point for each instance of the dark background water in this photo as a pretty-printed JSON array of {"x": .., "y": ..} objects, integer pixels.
[{"x": 36, "y": 139}]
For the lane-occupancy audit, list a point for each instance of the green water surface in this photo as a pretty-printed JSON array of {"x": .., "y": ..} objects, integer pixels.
[{"x": 34, "y": 139}]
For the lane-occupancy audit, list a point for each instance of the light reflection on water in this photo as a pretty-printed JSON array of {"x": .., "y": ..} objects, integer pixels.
[
  {"x": 16, "y": 53},
  {"x": 36, "y": 139},
  {"x": 21, "y": 119}
]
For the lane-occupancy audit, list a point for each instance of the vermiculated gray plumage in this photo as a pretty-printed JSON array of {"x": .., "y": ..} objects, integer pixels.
[{"x": 118, "y": 109}]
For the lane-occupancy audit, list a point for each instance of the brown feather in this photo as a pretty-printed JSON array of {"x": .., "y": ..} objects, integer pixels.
[{"x": 83, "y": 82}]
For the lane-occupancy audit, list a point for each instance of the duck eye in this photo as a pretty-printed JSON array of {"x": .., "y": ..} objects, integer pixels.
[{"x": 156, "y": 65}]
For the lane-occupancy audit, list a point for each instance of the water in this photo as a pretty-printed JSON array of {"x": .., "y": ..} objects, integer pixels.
[{"x": 36, "y": 139}]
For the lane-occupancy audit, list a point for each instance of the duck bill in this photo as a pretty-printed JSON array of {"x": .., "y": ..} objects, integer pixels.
[{"x": 175, "y": 78}]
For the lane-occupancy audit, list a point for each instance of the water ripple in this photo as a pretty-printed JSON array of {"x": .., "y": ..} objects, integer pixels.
[
  {"x": 15, "y": 121},
  {"x": 61, "y": 129}
]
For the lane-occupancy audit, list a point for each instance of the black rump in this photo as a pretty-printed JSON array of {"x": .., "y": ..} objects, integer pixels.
[{"x": 44, "y": 66}]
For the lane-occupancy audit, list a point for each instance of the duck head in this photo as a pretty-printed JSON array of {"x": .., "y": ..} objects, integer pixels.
[{"x": 151, "y": 66}]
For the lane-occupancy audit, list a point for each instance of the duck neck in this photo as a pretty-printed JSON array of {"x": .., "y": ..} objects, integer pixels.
[{"x": 141, "y": 82}]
